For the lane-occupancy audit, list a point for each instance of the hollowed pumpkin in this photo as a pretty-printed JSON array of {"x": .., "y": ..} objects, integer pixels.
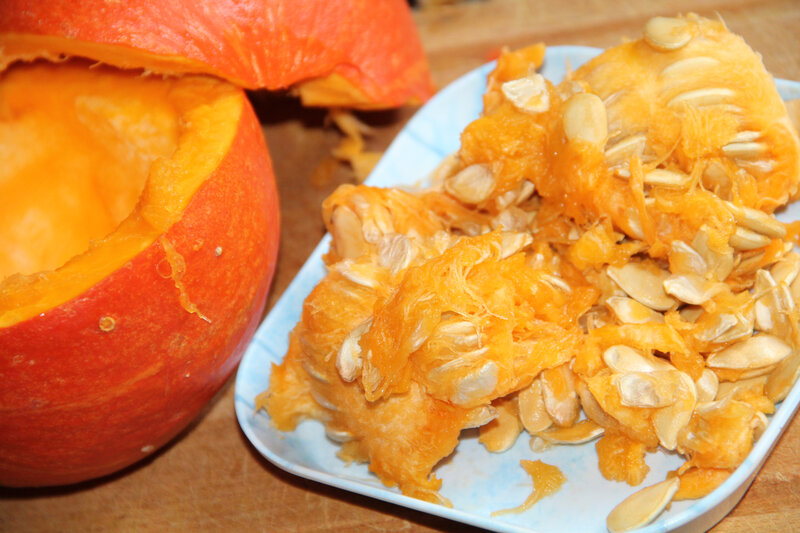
[{"x": 138, "y": 213}]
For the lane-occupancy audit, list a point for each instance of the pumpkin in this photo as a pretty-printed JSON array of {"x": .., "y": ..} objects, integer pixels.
[{"x": 139, "y": 213}]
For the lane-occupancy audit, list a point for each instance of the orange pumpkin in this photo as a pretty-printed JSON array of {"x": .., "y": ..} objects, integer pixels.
[{"x": 139, "y": 214}]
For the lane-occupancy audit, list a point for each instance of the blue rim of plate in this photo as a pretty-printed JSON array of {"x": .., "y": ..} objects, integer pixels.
[{"x": 430, "y": 135}]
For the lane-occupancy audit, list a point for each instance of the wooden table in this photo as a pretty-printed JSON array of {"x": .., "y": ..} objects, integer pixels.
[{"x": 210, "y": 478}]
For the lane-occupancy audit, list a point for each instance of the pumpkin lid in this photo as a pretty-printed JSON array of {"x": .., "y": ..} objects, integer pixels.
[{"x": 349, "y": 53}]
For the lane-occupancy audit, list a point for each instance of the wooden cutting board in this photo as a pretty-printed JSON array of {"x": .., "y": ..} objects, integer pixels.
[{"x": 210, "y": 478}]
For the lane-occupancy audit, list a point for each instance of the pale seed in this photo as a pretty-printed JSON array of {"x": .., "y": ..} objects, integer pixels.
[
  {"x": 648, "y": 389},
  {"x": 629, "y": 311},
  {"x": 346, "y": 232},
  {"x": 560, "y": 398},
  {"x": 477, "y": 385},
  {"x": 528, "y": 94},
  {"x": 744, "y": 149},
  {"x": 684, "y": 67},
  {"x": 471, "y": 185},
  {"x": 338, "y": 435},
  {"x": 348, "y": 358},
  {"x": 644, "y": 285},
  {"x": 702, "y": 97},
  {"x": 624, "y": 359},
  {"x": 666, "y": 178},
  {"x": 756, "y": 352},
  {"x": 479, "y": 416},
  {"x": 584, "y": 117},
  {"x": 642, "y": 507},
  {"x": 692, "y": 288},
  {"x": 683, "y": 259},
  {"x": 580, "y": 433},
  {"x": 667, "y": 33},
  {"x": 781, "y": 379},
  {"x": 745, "y": 239},
  {"x": 707, "y": 386},
  {"x": 720, "y": 323},
  {"x": 626, "y": 148},
  {"x": 786, "y": 270},
  {"x": 532, "y": 412},
  {"x": 757, "y": 220},
  {"x": 670, "y": 420}
]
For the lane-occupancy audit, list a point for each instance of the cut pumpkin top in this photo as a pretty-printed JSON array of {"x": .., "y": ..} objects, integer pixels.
[{"x": 355, "y": 53}]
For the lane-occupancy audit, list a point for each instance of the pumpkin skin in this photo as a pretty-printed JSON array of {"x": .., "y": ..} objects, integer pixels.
[
  {"x": 78, "y": 402},
  {"x": 354, "y": 53}
]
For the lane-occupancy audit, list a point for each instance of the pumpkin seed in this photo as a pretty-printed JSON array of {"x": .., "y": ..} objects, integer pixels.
[
  {"x": 683, "y": 259},
  {"x": 642, "y": 507},
  {"x": 780, "y": 380},
  {"x": 684, "y": 67},
  {"x": 759, "y": 424},
  {"x": 346, "y": 232},
  {"x": 733, "y": 388},
  {"x": 584, "y": 117},
  {"x": 648, "y": 389},
  {"x": 745, "y": 239},
  {"x": 629, "y": 311},
  {"x": 702, "y": 97},
  {"x": 786, "y": 269},
  {"x": 645, "y": 285},
  {"x": 707, "y": 386},
  {"x": 744, "y": 149},
  {"x": 720, "y": 264},
  {"x": 477, "y": 385},
  {"x": 692, "y": 288},
  {"x": 755, "y": 352},
  {"x": 532, "y": 411},
  {"x": 742, "y": 328},
  {"x": 479, "y": 416},
  {"x": 624, "y": 359},
  {"x": 528, "y": 94},
  {"x": 338, "y": 435},
  {"x": 322, "y": 400},
  {"x": 667, "y": 33},
  {"x": 757, "y": 220},
  {"x": 666, "y": 178},
  {"x": 512, "y": 242},
  {"x": 719, "y": 324},
  {"x": 625, "y": 149},
  {"x": 580, "y": 433},
  {"x": 591, "y": 407},
  {"x": 348, "y": 358},
  {"x": 312, "y": 371},
  {"x": 560, "y": 398},
  {"x": 396, "y": 252},
  {"x": 471, "y": 185},
  {"x": 670, "y": 420}
]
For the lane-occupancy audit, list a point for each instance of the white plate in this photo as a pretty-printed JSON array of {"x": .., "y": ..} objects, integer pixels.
[{"x": 475, "y": 481}]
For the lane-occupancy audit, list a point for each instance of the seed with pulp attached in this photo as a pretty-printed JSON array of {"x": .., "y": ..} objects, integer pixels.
[
  {"x": 348, "y": 359},
  {"x": 580, "y": 433},
  {"x": 642, "y": 507},
  {"x": 692, "y": 288},
  {"x": 666, "y": 178},
  {"x": 667, "y": 33},
  {"x": 648, "y": 389},
  {"x": 670, "y": 420},
  {"x": 471, "y": 185},
  {"x": 528, "y": 94},
  {"x": 624, "y": 359},
  {"x": 584, "y": 117},
  {"x": 346, "y": 232}
]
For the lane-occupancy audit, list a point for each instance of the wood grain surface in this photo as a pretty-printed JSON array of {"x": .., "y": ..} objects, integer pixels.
[{"x": 210, "y": 478}]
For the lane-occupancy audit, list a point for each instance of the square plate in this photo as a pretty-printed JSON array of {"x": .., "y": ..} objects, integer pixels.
[{"x": 475, "y": 481}]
